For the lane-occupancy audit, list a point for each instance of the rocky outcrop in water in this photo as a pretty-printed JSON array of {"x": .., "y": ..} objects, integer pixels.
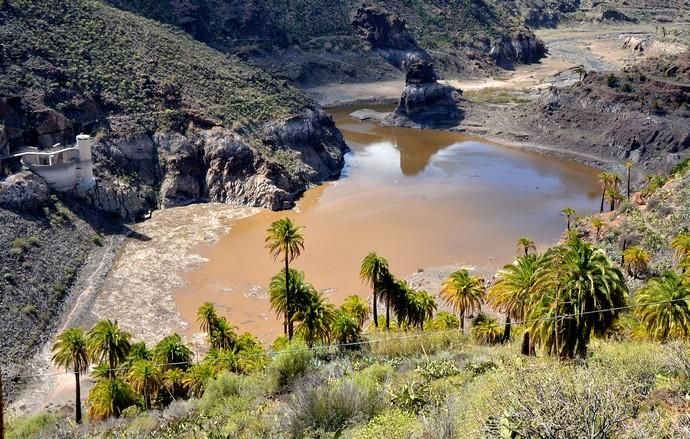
[
  {"x": 424, "y": 101},
  {"x": 388, "y": 35}
]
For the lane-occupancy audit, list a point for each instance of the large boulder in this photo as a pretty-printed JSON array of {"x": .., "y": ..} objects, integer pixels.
[
  {"x": 522, "y": 47},
  {"x": 388, "y": 35},
  {"x": 424, "y": 101},
  {"x": 24, "y": 192}
]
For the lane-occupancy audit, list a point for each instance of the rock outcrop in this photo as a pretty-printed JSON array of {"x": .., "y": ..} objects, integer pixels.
[
  {"x": 23, "y": 192},
  {"x": 424, "y": 101},
  {"x": 523, "y": 47},
  {"x": 388, "y": 35}
]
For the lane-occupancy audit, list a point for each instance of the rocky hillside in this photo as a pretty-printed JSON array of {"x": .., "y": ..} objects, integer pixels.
[
  {"x": 309, "y": 42},
  {"x": 176, "y": 120}
]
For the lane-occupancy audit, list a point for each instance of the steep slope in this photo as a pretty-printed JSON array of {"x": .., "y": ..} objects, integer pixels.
[
  {"x": 176, "y": 120},
  {"x": 294, "y": 38}
]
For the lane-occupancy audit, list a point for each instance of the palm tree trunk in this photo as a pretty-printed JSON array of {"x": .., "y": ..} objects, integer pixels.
[
  {"x": 568, "y": 222},
  {"x": 288, "y": 307},
  {"x": 388, "y": 313},
  {"x": 506, "y": 330},
  {"x": 462, "y": 323},
  {"x": 613, "y": 204},
  {"x": 598, "y": 230},
  {"x": 376, "y": 314},
  {"x": 285, "y": 325},
  {"x": 525, "y": 348},
  {"x": 601, "y": 207},
  {"x": 628, "y": 188},
  {"x": 77, "y": 402},
  {"x": 147, "y": 400}
]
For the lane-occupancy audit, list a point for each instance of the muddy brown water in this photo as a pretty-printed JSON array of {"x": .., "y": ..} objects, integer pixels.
[{"x": 419, "y": 198}]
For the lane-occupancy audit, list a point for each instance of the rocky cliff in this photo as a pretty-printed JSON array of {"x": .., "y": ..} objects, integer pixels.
[
  {"x": 175, "y": 121},
  {"x": 345, "y": 39}
]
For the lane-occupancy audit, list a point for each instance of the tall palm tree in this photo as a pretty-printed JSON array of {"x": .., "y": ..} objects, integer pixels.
[
  {"x": 172, "y": 353},
  {"x": 107, "y": 343},
  {"x": 525, "y": 245},
  {"x": 598, "y": 223},
  {"x": 581, "y": 294},
  {"x": 146, "y": 379},
  {"x": 373, "y": 271},
  {"x": 207, "y": 317},
  {"x": 628, "y": 167},
  {"x": 605, "y": 181},
  {"x": 568, "y": 213},
  {"x": 514, "y": 291},
  {"x": 70, "y": 351},
  {"x": 636, "y": 260},
  {"x": 223, "y": 335},
  {"x": 357, "y": 308},
  {"x": 681, "y": 245},
  {"x": 664, "y": 306},
  {"x": 299, "y": 291},
  {"x": 223, "y": 360},
  {"x": 464, "y": 293},
  {"x": 315, "y": 318},
  {"x": 285, "y": 240}
]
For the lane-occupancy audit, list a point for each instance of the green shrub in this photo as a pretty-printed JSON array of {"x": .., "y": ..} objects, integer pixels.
[
  {"x": 390, "y": 424},
  {"x": 435, "y": 369},
  {"x": 9, "y": 278},
  {"x": 334, "y": 406},
  {"x": 97, "y": 240},
  {"x": 290, "y": 363},
  {"x": 228, "y": 385},
  {"x": 33, "y": 426}
]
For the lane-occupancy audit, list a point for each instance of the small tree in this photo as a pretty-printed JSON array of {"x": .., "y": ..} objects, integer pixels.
[
  {"x": 568, "y": 213},
  {"x": 70, "y": 352}
]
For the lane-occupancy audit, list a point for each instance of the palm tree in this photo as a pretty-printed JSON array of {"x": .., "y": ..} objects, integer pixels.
[
  {"x": 681, "y": 245},
  {"x": 580, "y": 71},
  {"x": 197, "y": 377},
  {"x": 486, "y": 330},
  {"x": 315, "y": 318},
  {"x": 70, "y": 351},
  {"x": 223, "y": 360},
  {"x": 373, "y": 270},
  {"x": 514, "y": 290},
  {"x": 605, "y": 179},
  {"x": 145, "y": 378},
  {"x": 172, "y": 353},
  {"x": 285, "y": 239},
  {"x": 223, "y": 335},
  {"x": 424, "y": 306},
  {"x": 628, "y": 167},
  {"x": 357, "y": 308},
  {"x": 598, "y": 223},
  {"x": 106, "y": 342},
  {"x": 139, "y": 351},
  {"x": 568, "y": 212},
  {"x": 207, "y": 317},
  {"x": 580, "y": 294},
  {"x": 464, "y": 293},
  {"x": 636, "y": 260},
  {"x": 663, "y": 306},
  {"x": 525, "y": 245},
  {"x": 613, "y": 195},
  {"x": 173, "y": 383},
  {"x": 109, "y": 397},
  {"x": 299, "y": 291},
  {"x": 345, "y": 329}
]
